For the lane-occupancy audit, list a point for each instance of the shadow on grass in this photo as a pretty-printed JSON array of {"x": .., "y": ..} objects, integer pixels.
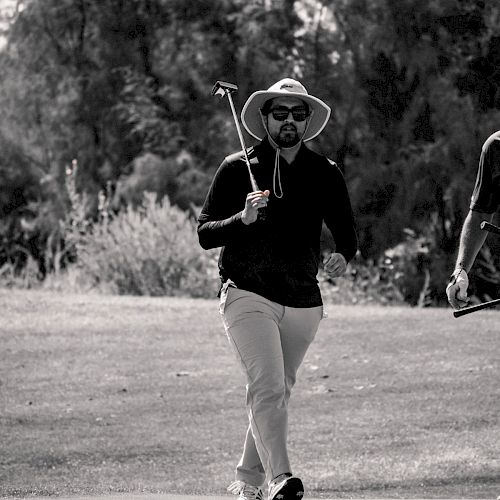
[{"x": 421, "y": 488}]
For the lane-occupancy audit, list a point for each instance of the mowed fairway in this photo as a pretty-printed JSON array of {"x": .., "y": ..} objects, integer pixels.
[{"x": 103, "y": 394}]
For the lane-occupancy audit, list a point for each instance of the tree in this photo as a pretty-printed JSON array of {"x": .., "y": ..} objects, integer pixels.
[{"x": 124, "y": 87}]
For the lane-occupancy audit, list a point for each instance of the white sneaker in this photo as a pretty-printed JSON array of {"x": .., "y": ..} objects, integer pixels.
[
  {"x": 246, "y": 491},
  {"x": 286, "y": 487}
]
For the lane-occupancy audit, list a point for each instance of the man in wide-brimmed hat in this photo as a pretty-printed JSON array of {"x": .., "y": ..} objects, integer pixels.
[{"x": 270, "y": 300}]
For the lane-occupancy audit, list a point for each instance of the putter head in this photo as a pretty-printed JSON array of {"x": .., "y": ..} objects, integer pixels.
[{"x": 220, "y": 88}]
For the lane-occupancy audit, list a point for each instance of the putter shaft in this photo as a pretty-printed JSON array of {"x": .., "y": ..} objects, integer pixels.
[
  {"x": 225, "y": 88},
  {"x": 242, "y": 142},
  {"x": 477, "y": 307}
]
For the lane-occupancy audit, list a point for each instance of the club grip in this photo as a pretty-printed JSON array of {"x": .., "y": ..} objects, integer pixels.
[
  {"x": 477, "y": 307},
  {"x": 262, "y": 212},
  {"x": 487, "y": 226}
]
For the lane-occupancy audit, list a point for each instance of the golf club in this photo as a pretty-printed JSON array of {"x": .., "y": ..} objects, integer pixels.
[
  {"x": 477, "y": 307},
  {"x": 485, "y": 226},
  {"x": 224, "y": 88}
]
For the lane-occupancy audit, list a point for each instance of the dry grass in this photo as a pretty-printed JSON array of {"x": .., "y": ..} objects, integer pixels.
[{"x": 104, "y": 393}]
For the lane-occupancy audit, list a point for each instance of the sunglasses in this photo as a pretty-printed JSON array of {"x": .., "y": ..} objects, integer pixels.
[{"x": 281, "y": 113}]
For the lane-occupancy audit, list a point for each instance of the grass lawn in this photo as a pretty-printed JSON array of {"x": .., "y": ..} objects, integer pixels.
[{"x": 101, "y": 394}]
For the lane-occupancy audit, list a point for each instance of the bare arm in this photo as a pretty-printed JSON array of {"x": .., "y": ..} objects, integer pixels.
[{"x": 471, "y": 239}]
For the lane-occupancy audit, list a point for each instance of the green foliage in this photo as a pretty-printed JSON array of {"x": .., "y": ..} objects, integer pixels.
[
  {"x": 412, "y": 267},
  {"x": 365, "y": 283},
  {"x": 175, "y": 178},
  {"x": 152, "y": 250},
  {"x": 124, "y": 87},
  {"x": 30, "y": 209},
  {"x": 12, "y": 275}
]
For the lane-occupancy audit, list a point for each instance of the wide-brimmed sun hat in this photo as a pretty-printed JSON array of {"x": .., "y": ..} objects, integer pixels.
[{"x": 252, "y": 119}]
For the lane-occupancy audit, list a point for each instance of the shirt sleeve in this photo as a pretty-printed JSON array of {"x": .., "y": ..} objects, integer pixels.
[
  {"x": 219, "y": 222},
  {"x": 338, "y": 214},
  {"x": 486, "y": 194}
]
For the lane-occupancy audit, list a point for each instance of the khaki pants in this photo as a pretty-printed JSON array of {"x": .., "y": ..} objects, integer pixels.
[{"x": 270, "y": 341}]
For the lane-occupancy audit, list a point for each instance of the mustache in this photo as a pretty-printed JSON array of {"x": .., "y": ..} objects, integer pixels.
[{"x": 288, "y": 126}]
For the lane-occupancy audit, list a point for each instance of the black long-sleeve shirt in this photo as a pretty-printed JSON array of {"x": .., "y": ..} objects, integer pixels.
[{"x": 278, "y": 257}]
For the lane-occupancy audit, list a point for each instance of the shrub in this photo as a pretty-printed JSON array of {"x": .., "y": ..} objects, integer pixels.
[
  {"x": 148, "y": 250},
  {"x": 364, "y": 283}
]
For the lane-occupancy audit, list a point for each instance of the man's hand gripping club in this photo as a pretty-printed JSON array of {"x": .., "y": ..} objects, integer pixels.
[
  {"x": 254, "y": 201},
  {"x": 456, "y": 290}
]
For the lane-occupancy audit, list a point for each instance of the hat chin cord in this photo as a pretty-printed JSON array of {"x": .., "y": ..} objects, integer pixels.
[{"x": 277, "y": 170}]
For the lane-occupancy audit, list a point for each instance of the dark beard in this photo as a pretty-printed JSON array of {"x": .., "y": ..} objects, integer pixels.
[{"x": 287, "y": 139}]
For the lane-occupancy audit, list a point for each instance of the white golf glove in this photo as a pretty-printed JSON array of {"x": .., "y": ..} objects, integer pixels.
[{"x": 457, "y": 288}]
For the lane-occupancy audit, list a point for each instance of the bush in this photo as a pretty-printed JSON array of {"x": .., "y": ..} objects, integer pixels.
[
  {"x": 365, "y": 282},
  {"x": 149, "y": 250}
]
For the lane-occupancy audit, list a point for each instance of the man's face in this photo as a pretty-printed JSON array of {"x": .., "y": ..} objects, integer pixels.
[{"x": 283, "y": 128}]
